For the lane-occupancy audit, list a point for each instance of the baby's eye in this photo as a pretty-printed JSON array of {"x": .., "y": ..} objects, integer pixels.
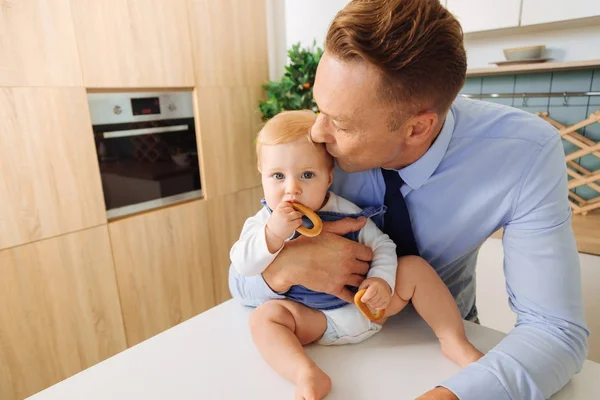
[
  {"x": 278, "y": 175},
  {"x": 307, "y": 175}
]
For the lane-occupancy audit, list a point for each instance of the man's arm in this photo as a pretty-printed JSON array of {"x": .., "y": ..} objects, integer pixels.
[
  {"x": 325, "y": 264},
  {"x": 541, "y": 263}
]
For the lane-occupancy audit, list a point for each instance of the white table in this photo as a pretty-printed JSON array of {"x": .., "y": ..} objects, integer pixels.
[{"x": 212, "y": 356}]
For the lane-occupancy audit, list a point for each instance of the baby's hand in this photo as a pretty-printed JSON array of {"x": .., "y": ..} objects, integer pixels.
[
  {"x": 378, "y": 294},
  {"x": 284, "y": 220}
]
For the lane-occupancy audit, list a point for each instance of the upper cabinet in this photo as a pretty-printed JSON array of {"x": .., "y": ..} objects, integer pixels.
[
  {"x": 49, "y": 177},
  {"x": 544, "y": 11},
  {"x": 37, "y": 44},
  {"x": 484, "y": 15},
  {"x": 134, "y": 43},
  {"x": 230, "y": 42}
]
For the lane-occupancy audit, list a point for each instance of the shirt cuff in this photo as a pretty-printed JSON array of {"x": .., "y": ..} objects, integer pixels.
[{"x": 475, "y": 382}]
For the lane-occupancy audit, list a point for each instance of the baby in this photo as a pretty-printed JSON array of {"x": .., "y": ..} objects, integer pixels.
[{"x": 295, "y": 169}]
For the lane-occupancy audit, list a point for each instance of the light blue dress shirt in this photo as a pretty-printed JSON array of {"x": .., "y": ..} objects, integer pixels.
[{"x": 492, "y": 166}]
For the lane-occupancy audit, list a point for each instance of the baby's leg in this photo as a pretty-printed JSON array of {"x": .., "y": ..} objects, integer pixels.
[
  {"x": 280, "y": 328},
  {"x": 416, "y": 280}
]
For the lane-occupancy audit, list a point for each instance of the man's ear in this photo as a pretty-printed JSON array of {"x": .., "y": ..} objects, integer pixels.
[{"x": 422, "y": 127}]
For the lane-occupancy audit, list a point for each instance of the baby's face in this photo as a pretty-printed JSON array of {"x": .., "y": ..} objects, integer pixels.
[{"x": 297, "y": 172}]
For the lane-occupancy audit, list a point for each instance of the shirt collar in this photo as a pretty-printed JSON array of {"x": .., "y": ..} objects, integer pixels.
[{"x": 417, "y": 173}]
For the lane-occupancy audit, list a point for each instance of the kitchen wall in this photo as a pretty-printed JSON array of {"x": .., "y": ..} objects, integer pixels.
[{"x": 76, "y": 288}]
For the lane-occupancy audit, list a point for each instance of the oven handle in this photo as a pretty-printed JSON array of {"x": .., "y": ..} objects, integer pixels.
[{"x": 144, "y": 131}]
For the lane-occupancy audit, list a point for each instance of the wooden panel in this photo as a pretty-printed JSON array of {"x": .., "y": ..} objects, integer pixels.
[
  {"x": 49, "y": 176},
  {"x": 134, "y": 43},
  {"x": 162, "y": 260},
  {"x": 534, "y": 68},
  {"x": 229, "y": 121},
  {"x": 587, "y": 232},
  {"x": 229, "y": 42},
  {"x": 60, "y": 311},
  {"x": 227, "y": 216},
  {"x": 37, "y": 44}
]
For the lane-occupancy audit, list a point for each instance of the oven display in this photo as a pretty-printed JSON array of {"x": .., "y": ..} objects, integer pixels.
[{"x": 145, "y": 106}]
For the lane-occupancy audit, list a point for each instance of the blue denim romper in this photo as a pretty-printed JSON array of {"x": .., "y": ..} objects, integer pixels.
[{"x": 318, "y": 300}]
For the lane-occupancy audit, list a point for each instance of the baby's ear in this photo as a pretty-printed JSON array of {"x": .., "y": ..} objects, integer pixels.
[{"x": 331, "y": 175}]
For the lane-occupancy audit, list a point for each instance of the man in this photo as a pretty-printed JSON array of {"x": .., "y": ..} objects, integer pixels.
[{"x": 386, "y": 88}]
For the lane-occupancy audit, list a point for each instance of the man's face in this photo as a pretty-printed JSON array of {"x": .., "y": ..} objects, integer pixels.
[{"x": 354, "y": 118}]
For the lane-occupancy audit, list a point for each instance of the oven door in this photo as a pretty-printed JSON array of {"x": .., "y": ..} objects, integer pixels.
[{"x": 147, "y": 164}]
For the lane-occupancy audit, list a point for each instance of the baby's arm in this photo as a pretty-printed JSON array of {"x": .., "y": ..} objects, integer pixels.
[
  {"x": 250, "y": 255},
  {"x": 385, "y": 262}
]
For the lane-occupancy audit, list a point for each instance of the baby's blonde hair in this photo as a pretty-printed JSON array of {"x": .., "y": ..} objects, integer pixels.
[{"x": 285, "y": 127}]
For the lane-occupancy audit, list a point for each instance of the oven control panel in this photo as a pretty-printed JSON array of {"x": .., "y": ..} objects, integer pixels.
[{"x": 121, "y": 107}]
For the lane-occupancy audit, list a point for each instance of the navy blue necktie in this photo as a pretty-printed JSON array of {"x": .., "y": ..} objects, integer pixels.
[{"x": 396, "y": 219}]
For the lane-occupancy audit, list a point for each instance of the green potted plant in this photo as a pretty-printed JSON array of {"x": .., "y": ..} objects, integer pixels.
[{"x": 294, "y": 91}]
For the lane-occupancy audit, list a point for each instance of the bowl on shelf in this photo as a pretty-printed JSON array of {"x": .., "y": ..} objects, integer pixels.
[{"x": 524, "y": 53}]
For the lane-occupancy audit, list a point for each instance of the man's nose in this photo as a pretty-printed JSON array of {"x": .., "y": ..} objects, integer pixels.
[{"x": 319, "y": 132}]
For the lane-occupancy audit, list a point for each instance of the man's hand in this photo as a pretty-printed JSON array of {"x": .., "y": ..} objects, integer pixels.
[
  {"x": 326, "y": 263},
  {"x": 439, "y": 393}
]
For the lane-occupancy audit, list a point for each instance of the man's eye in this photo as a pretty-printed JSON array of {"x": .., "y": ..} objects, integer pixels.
[
  {"x": 307, "y": 175},
  {"x": 278, "y": 175}
]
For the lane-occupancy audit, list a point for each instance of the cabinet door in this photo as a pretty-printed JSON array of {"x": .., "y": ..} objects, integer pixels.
[
  {"x": 230, "y": 42},
  {"x": 227, "y": 217},
  {"x": 485, "y": 15},
  {"x": 542, "y": 11},
  {"x": 60, "y": 310},
  {"x": 134, "y": 43},
  {"x": 49, "y": 176},
  {"x": 229, "y": 121},
  {"x": 37, "y": 44},
  {"x": 163, "y": 265}
]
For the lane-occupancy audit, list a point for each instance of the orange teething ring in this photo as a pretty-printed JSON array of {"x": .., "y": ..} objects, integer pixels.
[
  {"x": 314, "y": 218},
  {"x": 365, "y": 309}
]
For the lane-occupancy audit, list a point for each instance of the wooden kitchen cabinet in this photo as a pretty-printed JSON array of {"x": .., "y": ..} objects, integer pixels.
[
  {"x": 229, "y": 121},
  {"x": 37, "y": 44},
  {"x": 485, "y": 15},
  {"x": 544, "y": 11},
  {"x": 230, "y": 42},
  {"x": 60, "y": 310},
  {"x": 163, "y": 267},
  {"x": 134, "y": 43},
  {"x": 49, "y": 177},
  {"x": 227, "y": 217}
]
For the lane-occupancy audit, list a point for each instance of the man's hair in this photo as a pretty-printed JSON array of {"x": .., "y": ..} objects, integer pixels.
[
  {"x": 288, "y": 126},
  {"x": 416, "y": 44}
]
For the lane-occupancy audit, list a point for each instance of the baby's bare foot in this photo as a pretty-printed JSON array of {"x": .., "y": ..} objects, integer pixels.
[
  {"x": 460, "y": 350},
  {"x": 312, "y": 384}
]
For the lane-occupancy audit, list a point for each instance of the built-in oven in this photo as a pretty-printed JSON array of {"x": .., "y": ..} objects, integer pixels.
[{"x": 147, "y": 149}]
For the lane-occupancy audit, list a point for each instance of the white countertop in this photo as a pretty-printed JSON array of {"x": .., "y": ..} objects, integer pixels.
[{"x": 212, "y": 356}]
